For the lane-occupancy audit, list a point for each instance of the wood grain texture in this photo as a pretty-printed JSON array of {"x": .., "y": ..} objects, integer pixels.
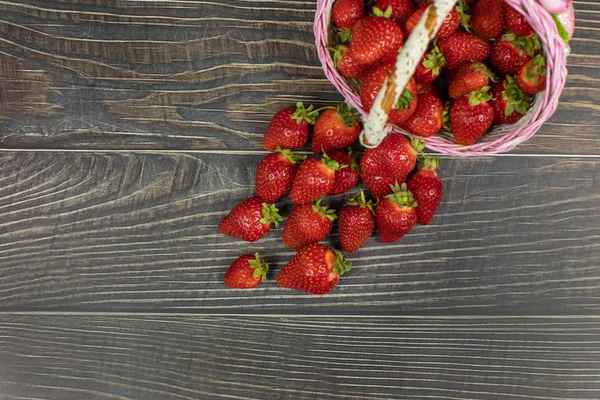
[
  {"x": 137, "y": 231},
  {"x": 198, "y": 75},
  {"x": 252, "y": 358}
]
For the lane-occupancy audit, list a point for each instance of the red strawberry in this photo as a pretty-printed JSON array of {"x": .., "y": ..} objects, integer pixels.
[
  {"x": 275, "y": 174},
  {"x": 246, "y": 272},
  {"x": 401, "y": 9},
  {"x": 471, "y": 116},
  {"x": 396, "y": 214},
  {"x": 430, "y": 66},
  {"x": 373, "y": 38},
  {"x": 516, "y": 22},
  {"x": 289, "y": 128},
  {"x": 335, "y": 129},
  {"x": 345, "y": 13},
  {"x": 461, "y": 47},
  {"x": 449, "y": 26},
  {"x": 406, "y": 105},
  {"x": 395, "y": 157},
  {"x": 315, "y": 269},
  {"x": 345, "y": 178},
  {"x": 314, "y": 179},
  {"x": 427, "y": 118},
  {"x": 508, "y": 101},
  {"x": 532, "y": 75},
  {"x": 250, "y": 220},
  {"x": 512, "y": 52},
  {"x": 356, "y": 223},
  {"x": 427, "y": 190},
  {"x": 348, "y": 66},
  {"x": 307, "y": 223},
  {"x": 487, "y": 18},
  {"x": 379, "y": 186},
  {"x": 469, "y": 77}
]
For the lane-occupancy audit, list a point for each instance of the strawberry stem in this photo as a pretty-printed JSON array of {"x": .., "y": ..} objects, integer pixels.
[
  {"x": 290, "y": 156},
  {"x": 259, "y": 266},
  {"x": 331, "y": 164},
  {"x": 324, "y": 210},
  {"x": 342, "y": 264},
  {"x": 360, "y": 200},
  {"x": 428, "y": 162},
  {"x": 304, "y": 114},
  {"x": 270, "y": 214},
  {"x": 377, "y": 12},
  {"x": 402, "y": 196}
]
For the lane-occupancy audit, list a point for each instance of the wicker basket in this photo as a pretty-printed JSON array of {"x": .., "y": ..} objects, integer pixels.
[{"x": 501, "y": 138}]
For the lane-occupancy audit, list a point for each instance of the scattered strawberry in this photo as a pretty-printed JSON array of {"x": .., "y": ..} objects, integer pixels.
[
  {"x": 449, "y": 26},
  {"x": 508, "y": 101},
  {"x": 379, "y": 186},
  {"x": 471, "y": 116},
  {"x": 469, "y": 77},
  {"x": 307, "y": 223},
  {"x": 532, "y": 75},
  {"x": 345, "y": 178},
  {"x": 401, "y": 9},
  {"x": 314, "y": 179},
  {"x": 516, "y": 22},
  {"x": 246, "y": 272},
  {"x": 356, "y": 223},
  {"x": 430, "y": 66},
  {"x": 396, "y": 214},
  {"x": 511, "y": 52},
  {"x": 336, "y": 128},
  {"x": 462, "y": 47},
  {"x": 275, "y": 174},
  {"x": 289, "y": 128},
  {"x": 348, "y": 66},
  {"x": 315, "y": 269},
  {"x": 487, "y": 18},
  {"x": 250, "y": 220},
  {"x": 374, "y": 37},
  {"x": 346, "y": 12},
  {"x": 427, "y": 118},
  {"x": 395, "y": 157},
  {"x": 427, "y": 190}
]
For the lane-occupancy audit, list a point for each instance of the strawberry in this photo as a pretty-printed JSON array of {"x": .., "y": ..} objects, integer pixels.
[
  {"x": 401, "y": 9},
  {"x": 345, "y": 178},
  {"x": 406, "y": 105},
  {"x": 508, "y": 101},
  {"x": 314, "y": 179},
  {"x": 395, "y": 157},
  {"x": 289, "y": 128},
  {"x": 461, "y": 47},
  {"x": 336, "y": 128},
  {"x": 246, "y": 272},
  {"x": 511, "y": 52},
  {"x": 345, "y": 13},
  {"x": 471, "y": 116},
  {"x": 532, "y": 75},
  {"x": 348, "y": 66},
  {"x": 430, "y": 66},
  {"x": 487, "y": 18},
  {"x": 307, "y": 223},
  {"x": 275, "y": 174},
  {"x": 379, "y": 186},
  {"x": 449, "y": 26},
  {"x": 427, "y": 118},
  {"x": 356, "y": 223},
  {"x": 396, "y": 214},
  {"x": 428, "y": 88},
  {"x": 469, "y": 77},
  {"x": 374, "y": 37},
  {"x": 427, "y": 190},
  {"x": 250, "y": 220},
  {"x": 315, "y": 269},
  {"x": 516, "y": 22}
]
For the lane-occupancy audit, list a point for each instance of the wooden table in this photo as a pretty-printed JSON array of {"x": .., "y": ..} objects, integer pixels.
[{"x": 129, "y": 128}]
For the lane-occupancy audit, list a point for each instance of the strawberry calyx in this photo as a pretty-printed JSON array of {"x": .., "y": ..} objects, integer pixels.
[
  {"x": 291, "y": 156},
  {"x": 479, "y": 96},
  {"x": 331, "y": 164},
  {"x": 353, "y": 160},
  {"x": 529, "y": 45},
  {"x": 515, "y": 98},
  {"x": 428, "y": 162},
  {"x": 346, "y": 115},
  {"x": 535, "y": 69},
  {"x": 377, "y": 12},
  {"x": 337, "y": 52},
  {"x": 404, "y": 100},
  {"x": 435, "y": 61},
  {"x": 359, "y": 200},
  {"x": 446, "y": 124},
  {"x": 305, "y": 114},
  {"x": 482, "y": 69},
  {"x": 270, "y": 214},
  {"x": 259, "y": 266},
  {"x": 402, "y": 196},
  {"x": 417, "y": 144},
  {"x": 342, "y": 264},
  {"x": 462, "y": 7},
  {"x": 324, "y": 210},
  {"x": 562, "y": 32},
  {"x": 345, "y": 35}
]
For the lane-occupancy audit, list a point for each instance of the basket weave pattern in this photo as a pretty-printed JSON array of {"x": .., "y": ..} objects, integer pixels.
[{"x": 499, "y": 139}]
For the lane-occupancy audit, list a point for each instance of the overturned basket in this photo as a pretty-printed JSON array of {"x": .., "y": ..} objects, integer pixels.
[{"x": 499, "y": 139}]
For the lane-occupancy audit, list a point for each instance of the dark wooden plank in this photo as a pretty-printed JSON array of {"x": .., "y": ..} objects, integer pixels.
[
  {"x": 158, "y": 357},
  {"x": 195, "y": 75},
  {"x": 137, "y": 231}
]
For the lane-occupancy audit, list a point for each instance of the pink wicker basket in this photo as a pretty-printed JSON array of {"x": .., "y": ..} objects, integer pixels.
[{"x": 501, "y": 138}]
